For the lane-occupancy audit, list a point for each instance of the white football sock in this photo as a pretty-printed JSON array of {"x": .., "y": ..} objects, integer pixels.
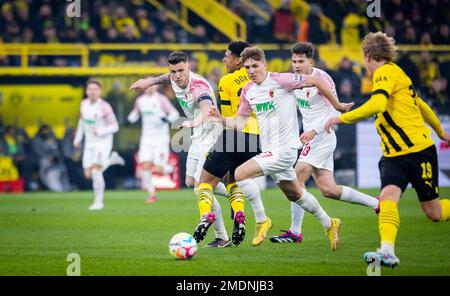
[
  {"x": 219, "y": 224},
  {"x": 353, "y": 196},
  {"x": 253, "y": 195},
  {"x": 297, "y": 213},
  {"x": 147, "y": 180},
  {"x": 98, "y": 185},
  {"x": 220, "y": 189},
  {"x": 387, "y": 248},
  {"x": 310, "y": 204}
]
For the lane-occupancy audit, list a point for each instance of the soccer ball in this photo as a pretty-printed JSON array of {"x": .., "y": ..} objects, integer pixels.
[{"x": 183, "y": 246}]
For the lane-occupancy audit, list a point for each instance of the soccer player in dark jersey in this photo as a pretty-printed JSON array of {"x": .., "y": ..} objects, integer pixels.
[{"x": 232, "y": 149}]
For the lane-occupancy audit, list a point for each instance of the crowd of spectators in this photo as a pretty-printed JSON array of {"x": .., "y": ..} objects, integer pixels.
[
  {"x": 410, "y": 22},
  {"x": 43, "y": 161}
]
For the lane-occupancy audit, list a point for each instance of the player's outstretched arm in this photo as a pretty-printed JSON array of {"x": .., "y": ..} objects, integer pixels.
[
  {"x": 135, "y": 114},
  {"x": 431, "y": 118},
  {"x": 328, "y": 94},
  {"x": 78, "y": 134},
  {"x": 376, "y": 104},
  {"x": 205, "y": 106},
  {"x": 239, "y": 122},
  {"x": 143, "y": 84}
]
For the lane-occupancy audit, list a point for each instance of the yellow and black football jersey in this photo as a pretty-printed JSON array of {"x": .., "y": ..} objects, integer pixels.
[
  {"x": 230, "y": 87},
  {"x": 400, "y": 124}
]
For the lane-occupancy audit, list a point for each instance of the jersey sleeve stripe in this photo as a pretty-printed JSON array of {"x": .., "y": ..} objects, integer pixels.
[
  {"x": 202, "y": 98},
  {"x": 398, "y": 129},
  {"x": 225, "y": 102},
  {"x": 390, "y": 138},
  {"x": 381, "y": 91}
]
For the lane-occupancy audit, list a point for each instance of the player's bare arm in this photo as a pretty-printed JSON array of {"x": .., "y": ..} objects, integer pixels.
[
  {"x": 430, "y": 117},
  {"x": 239, "y": 122},
  {"x": 325, "y": 90},
  {"x": 376, "y": 104},
  {"x": 205, "y": 106},
  {"x": 143, "y": 84}
]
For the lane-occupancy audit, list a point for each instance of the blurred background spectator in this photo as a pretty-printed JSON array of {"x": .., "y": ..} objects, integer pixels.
[{"x": 52, "y": 170}]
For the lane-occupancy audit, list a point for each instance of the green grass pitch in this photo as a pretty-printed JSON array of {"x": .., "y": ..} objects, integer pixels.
[{"x": 129, "y": 237}]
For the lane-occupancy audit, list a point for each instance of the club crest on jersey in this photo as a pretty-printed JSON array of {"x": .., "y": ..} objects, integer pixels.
[
  {"x": 271, "y": 93},
  {"x": 303, "y": 104}
]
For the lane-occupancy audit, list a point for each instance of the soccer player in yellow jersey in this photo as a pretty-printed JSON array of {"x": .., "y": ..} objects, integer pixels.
[
  {"x": 409, "y": 153},
  {"x": 232, "y": 149}
]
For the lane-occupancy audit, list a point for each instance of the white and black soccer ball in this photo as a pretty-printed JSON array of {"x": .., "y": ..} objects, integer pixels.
[{"x": 183, "y": 246}]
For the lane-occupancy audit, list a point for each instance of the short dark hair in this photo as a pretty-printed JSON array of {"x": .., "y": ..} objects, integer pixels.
[
  {"x": 237, "y": 47},
  {"x": 177, "y": 57},
  {"x": 305, "y": 48},
  {"x": 93, "y": 81}
]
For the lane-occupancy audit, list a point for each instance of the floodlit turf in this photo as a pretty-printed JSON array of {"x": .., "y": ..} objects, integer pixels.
[{"x": 129, "y": 237}]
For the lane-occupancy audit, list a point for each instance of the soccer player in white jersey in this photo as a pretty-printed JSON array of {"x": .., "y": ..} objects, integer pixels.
[
  {"x": 316, "y": 158},
  {"x": 97, "y": 124},
  {"x": 157, "y": 113},
  {"x": 271, "y": 97},
  {"x": 195, "y": 96}
]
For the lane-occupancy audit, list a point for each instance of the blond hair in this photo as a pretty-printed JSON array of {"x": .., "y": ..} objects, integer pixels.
[
  {"x": 379, "y": 46},
  {"x": 254, "y": 53}
]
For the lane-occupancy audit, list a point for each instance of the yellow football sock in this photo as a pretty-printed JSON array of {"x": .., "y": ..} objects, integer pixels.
[
  {"x": 205, "y": 197},
  {"x": 388, "y": 221},
  {"x": 445, "y": 209},
  {"x": 236, "y": 197}
]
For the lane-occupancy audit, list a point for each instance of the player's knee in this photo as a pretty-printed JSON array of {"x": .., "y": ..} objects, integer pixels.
[
  {"x": 434, "y": 216},
  {"x": 147, "y": 165},
  {"x": 239, "y": 175},
  {"x": 88, "y": 175},
  {"x": 189, "y": 182}
]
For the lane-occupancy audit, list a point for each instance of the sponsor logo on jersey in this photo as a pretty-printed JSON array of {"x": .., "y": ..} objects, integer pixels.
[
  {"x": 266, "y": 106},
  {"x": 183, "y": 103},
  {"x": 303, "y": 104},
  {"x": 89, "y": 121}
]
